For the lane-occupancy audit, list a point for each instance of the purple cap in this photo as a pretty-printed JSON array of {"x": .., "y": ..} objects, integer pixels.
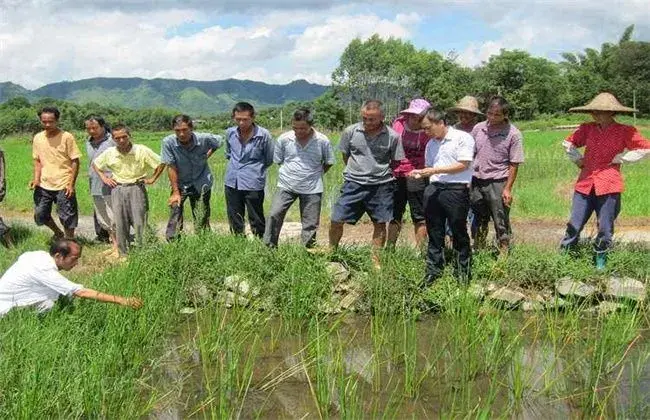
[{"x": 417, "y": 107}]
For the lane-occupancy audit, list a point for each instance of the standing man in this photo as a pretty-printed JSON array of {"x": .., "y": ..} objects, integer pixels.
[
  {"x": 5, "y": 235},
  {"x": 56, "y": 166},
  {"x": 100, "y": 139},
  {"x": 408, "y": 190},
  {"x": 186, "y": 155},
  {"x": 608, "y": 144},
  {"x": 34, "y": 280},
  {"x": 304, "y": 155},
  {"x": 129, "y": 165},
  {"x": 249, "y": 150},
  {"x": 368, "y": 149},
  {"x": 448, "y": 161},
  {"x": 499, "y": 152}
]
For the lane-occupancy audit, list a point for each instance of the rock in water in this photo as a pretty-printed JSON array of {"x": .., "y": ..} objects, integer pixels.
[
  {"x": 337, "y": 272},
  {"x": 508, "y": 297}
]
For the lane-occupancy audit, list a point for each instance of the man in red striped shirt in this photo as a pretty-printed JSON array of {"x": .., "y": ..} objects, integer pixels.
[{"x": 607, "y": 144}]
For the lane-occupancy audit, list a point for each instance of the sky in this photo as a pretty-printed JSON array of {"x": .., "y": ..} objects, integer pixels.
[{"x": 45, "y": 41}]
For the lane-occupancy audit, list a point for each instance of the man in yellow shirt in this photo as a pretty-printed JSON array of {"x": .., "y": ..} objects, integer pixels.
[
  {"x": 129, "y": 164},
  {"x": 56, "y": 166}
]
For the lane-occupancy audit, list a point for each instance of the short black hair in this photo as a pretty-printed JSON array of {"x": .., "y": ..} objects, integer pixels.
[
  {"x": 182, "y": 118},
  {"x": 122, "y": 126},
  {"x": 50, "y": 110},
  {"x": 502, "y": 103},
  {"x": 63, "y": 246},
  {"x": 99, "y": 120},
  {"x": 303, "y": 114},
  {"x": 243, "y": 107},
  {"x": 436, "y": 115}
]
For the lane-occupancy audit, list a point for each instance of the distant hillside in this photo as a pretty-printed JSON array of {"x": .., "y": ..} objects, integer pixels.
[{"x": 189, "y": 96}]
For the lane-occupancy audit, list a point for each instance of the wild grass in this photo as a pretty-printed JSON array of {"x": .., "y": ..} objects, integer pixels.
[{"x": 280, "y": 357}]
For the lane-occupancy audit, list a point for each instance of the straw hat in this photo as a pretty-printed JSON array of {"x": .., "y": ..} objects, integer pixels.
[
  {"x": 468, "y": 104},
  {"x": 603, "y": 102}
]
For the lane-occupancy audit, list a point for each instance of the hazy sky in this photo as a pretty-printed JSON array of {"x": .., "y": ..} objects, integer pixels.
[{"x": 43, "y": 41}]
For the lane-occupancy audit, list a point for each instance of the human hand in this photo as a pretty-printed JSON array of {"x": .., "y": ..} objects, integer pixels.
[
  {"x": 33, "y": 184},
  {"x": 109, "y": 181},
  {"x": 132, "y": 302},
  {"x": 506, "y": 195},
  {"x": 415, "y": 174},
  {"x": 69, "y": 191},
  {"x": 175, "y": 199},
  {"x": 149, "y": 181}
]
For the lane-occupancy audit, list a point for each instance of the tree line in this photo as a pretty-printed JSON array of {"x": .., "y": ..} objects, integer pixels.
[{"x": 394, "y": 71}]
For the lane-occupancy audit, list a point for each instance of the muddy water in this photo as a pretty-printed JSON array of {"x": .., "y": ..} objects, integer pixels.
[{"x": 360, "y": 367}]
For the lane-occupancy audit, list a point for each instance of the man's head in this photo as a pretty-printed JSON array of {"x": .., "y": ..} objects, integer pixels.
[
  {"x": 498, "y": 110},
  {"x": 603, "y": 117},
  {"x": 243, "y": 114},
  {"x": 66, "y": 253},
  {"x": 302, "y": 122},
  {"x": 183, "y": 126},
  {"x": 372, "y": 115},
  {"x": 49, "y": 117},
  {"x": 96, "y": 126},
  {"x": 434, "y": 123},
  {"x": 466, "y": 118},
  {"x": 122, "y": 138}
]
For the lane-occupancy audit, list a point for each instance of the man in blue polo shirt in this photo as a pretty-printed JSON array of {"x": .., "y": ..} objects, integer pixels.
[
  {"x": 186, "y": 155},
  {"x": 249, "y": 150}
]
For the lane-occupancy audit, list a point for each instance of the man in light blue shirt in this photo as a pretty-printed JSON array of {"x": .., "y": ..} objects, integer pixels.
[
  {"x": 249, "y": 150},
  {"x": 448, "y": 159},
  {"x": 186, "y": 155},
  {"x": 304, "y": 155}
]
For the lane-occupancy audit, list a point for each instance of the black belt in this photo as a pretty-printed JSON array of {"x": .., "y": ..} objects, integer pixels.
[
  {"x": 450, "y": 185},
  {"x": 129, "y": 184}
]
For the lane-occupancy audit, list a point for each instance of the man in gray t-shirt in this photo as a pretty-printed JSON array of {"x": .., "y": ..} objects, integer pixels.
[{"x": 368, "y": 148}]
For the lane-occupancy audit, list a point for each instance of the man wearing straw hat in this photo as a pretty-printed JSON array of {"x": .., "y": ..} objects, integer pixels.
[
  {"x": 409, "y": 190},
  {"x": 467, "y": 112},
  {"x": 607, "y": 144},
  {"x": 499, "y": 151}
]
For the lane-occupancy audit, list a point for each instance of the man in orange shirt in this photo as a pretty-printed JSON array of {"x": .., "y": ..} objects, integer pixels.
[
  {"x": 56, "y": 166},
  {"x": 607, "y": 145}
]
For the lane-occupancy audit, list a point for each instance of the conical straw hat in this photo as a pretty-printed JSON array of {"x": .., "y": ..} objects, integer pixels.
[
  {"x": 467, "y": 103},
  {"x": 603, "y": 102}
]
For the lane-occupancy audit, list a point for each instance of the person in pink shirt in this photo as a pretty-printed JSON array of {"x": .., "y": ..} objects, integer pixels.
[
  {"x": 607, "y": 144},
  {"x": 409, "y": 190}
]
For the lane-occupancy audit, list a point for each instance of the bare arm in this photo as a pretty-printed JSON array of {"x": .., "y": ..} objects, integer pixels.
[
  {"x": 37, "y": 174},
  {"x": 106, "y": 180},
  {"x": 175, "y": 198},
  {"x": 69, "y": 189},
  {"x": 507, "y": 190},
  {"x": 133, "y": 302},
  {"x": 156, "y": 174}
]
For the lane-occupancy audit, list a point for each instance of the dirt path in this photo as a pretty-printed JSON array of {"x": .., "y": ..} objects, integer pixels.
[{"x": 531, "y": 231}]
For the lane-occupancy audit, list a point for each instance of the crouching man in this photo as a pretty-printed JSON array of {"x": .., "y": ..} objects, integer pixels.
[{"x": 34, "y": 280}]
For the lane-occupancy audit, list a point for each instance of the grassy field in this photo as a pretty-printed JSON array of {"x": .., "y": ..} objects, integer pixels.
[
  {"x": 90, "y": 360},
  {"x": 543, "y": 189}
]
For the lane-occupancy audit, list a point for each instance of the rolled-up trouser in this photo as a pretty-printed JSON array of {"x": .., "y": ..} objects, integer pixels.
[
  {"x": 200, "y": 205},
  {"x": 606, "y": 206},
  {"x": 447, "y": 202},
  {"x": 310, "y": 205},
  {"x": 130, "y": 208},
  {"x": 486, "y": 201},
  {"x": 66, "y": 208}
]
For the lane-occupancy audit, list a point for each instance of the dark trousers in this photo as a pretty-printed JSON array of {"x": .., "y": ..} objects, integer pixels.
[
  {"x": 102, "y": 234},
  {"x": 447, "y": 202},
  {"x": 200, "y": 205},
  {"x": 66, "y": 208},
  {"x": 606, "y": 207},
  {"x": 238, "y": 202},
  {"x": 487, "y": 203}
]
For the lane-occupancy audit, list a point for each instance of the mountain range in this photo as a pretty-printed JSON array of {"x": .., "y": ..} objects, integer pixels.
[{"x": 189, "y": 96}]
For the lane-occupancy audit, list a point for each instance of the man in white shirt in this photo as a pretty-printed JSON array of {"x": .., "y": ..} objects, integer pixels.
[
  {"x": 34, "y": 280},
  {"x": 448, "y": 157}
]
